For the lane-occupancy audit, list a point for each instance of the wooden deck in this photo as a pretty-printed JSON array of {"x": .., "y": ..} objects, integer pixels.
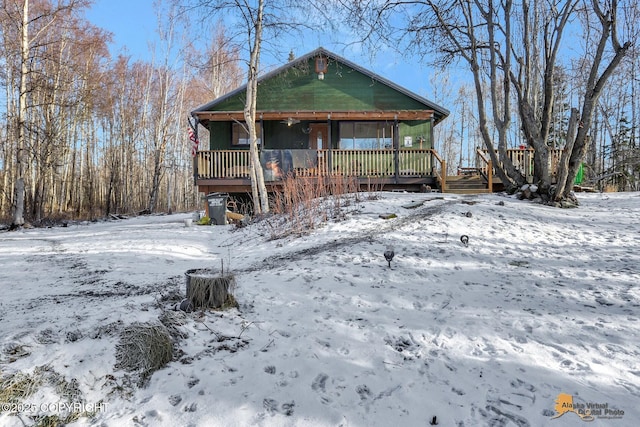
[
  {"x": 482, "y": 179},
  {"x": 522, "y": 159},
  {"x": 228, "y": 170},
  {"x": 388, "y": 169}
]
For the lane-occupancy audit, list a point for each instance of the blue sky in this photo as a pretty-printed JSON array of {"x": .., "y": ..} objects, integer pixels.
[{"x": 133, "y": 24}]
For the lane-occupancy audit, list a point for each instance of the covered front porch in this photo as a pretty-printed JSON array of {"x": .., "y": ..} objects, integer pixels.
[{"x": 228, "y": 170}]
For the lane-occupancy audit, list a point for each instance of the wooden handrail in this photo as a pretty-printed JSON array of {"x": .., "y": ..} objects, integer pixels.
[
  {"x": 442, "y": 177},
  {"x": 481, "y": 154},
  {"x": 435, "y": 154},
  {"x": 488, "y": 169}
]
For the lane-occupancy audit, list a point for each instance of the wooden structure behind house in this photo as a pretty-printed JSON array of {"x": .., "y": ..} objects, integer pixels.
[{"x": 322, "y": 116}]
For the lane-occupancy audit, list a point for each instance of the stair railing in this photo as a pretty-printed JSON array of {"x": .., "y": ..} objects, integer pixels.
[
  {"x": 441, "y": 175},
  {"x": 485, "y": 166}
]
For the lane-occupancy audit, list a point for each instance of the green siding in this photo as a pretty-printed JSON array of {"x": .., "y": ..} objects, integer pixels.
[
  {"x": 416, "y": 130},
  {"x": 343, "y": 89},
  {"x": 220, "y": 135},
  {"x": 298, "y": 88},
  {"x": 279, "y": 136}
]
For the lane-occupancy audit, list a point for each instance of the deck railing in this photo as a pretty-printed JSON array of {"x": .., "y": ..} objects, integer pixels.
[
  {"x": 522, "y": 159},
  {"x": 382, "y": 163},
  {"x": 222, "y": 164}
]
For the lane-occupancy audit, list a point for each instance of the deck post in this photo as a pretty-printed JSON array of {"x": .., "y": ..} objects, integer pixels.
[
  {"x": 195, "y": 169},
  {"x": 329, "y": 159},
  {"x": 490, "y": 175},
  {"x": 444, "y": 176},
  {"x": 396, "y": 150}
]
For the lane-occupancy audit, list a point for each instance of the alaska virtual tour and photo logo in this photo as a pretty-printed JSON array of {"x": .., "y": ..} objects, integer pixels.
[{"x": 586, "y": 411}]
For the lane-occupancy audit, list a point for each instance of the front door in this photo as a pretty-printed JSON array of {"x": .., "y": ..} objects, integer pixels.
[{"x": 318, "y": 136}]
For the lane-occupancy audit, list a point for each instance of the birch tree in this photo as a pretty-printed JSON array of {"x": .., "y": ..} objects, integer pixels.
[
  {"x": 254, "y": 18},
  {"x": 164, "y": 104},
  {"x": 18, "y": 19},
  {"x": 514, "y": 47},
  {"x": 251, "y": 15},
  {"x": 215, "y": 69},
  {"x": 25, "y": 45},
  {"x": 605, "y": 58},
  {"x": 254, "y": 21}
]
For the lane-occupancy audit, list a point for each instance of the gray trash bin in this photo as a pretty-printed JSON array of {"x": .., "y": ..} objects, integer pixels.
[{"x": 217, "y": 204}]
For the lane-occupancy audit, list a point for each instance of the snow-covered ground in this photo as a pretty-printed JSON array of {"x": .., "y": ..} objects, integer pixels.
[{"x": 542, "y": 306}]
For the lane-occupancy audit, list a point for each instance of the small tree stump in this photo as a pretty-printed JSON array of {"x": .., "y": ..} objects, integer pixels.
[{"x": 209, "y": 289}]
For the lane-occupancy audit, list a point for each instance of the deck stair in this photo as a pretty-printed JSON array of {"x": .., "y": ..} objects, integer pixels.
[{"x": 466, "y": 184}]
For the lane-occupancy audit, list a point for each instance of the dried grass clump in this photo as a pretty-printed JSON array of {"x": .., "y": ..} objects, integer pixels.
[
  {"x": 208, "y": 290},
  {"x": 144, "y": 348},
  {"x": 172, "y": 320},
  {"x": 19, "y": 386}
]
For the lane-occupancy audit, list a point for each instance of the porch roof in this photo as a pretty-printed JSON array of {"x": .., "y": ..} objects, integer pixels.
[{"x": 318, "y": 115}]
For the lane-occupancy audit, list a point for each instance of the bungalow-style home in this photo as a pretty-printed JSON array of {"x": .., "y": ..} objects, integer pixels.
[{"x": 321, "y": 115}]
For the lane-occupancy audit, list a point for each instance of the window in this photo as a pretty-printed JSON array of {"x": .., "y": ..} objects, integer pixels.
[
  {"x": 322, "y": 64},
  {"x": 239, "y": 136},
  {"x": 365, "y": 135}
]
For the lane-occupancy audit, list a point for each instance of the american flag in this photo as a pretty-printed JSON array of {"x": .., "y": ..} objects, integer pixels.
[{"x": 194, "y": 142}]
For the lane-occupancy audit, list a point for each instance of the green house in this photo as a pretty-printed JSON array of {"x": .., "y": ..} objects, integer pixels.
[{"x": 321, "y": 115}]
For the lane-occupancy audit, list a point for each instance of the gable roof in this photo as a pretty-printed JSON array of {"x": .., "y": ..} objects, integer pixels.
[{"x": 439, "y": 113}]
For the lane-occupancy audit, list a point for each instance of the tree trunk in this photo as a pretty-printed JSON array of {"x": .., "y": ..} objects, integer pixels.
[
  {"x": 595, "y": 84},
  {"x": 259, "y": 189},
  {"x": 563, "y": 165},
  {"x": 18, "y": 212}
]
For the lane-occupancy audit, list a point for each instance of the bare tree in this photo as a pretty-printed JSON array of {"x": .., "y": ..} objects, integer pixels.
[
  {"x": 33, "y": 47},
  {"x": 252, "y": 16},
  {"x": 255, "y": 22},
  {"x": 215, "y": 69},
  {"x": 164, "y": 97},
  {"x": 25, "y": 45},
  {"x": 601, "y": 69},
  {"x": 512, "y": 46},
  {"x": 256, "y": 18}
]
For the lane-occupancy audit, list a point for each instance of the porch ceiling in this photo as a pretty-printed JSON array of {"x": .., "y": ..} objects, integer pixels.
[{"x": 225, "y": 116}]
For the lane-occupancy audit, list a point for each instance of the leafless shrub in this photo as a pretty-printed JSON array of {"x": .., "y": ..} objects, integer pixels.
[
  {"x": 373, "y": 190},
  {"x": 307, "y": 202}
]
